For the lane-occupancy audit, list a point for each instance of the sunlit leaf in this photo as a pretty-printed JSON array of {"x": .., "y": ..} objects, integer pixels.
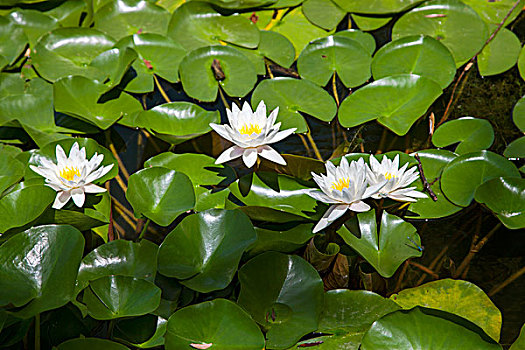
[
  {"x": 323, "y": 13},
  {"x": 370, "y": 23},
  {"x": 12, "y": 41},
  {"x": 34, "y": 23},
  {"x": 365, "y": 39},
  {"x": 471, "y": 133},
  {"x": 500, "y": 54},
  {"x": 376, "y": 6}
]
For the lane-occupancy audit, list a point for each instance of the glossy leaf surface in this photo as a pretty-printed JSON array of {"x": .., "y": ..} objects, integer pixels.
[
  {"x": 471, "y": 133},
  {"x": 284, "y": 241},
  {"x": 323, "y": 13},
  {"x": 500, "y": 54},
  {"x": 365, "y": 39},
  {"x": 90, "y": 344},
  {"x": 376, "y": 6}
]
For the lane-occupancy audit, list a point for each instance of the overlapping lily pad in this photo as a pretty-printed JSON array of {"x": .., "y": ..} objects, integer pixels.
[
  {"x": 415, "y": 54},
  {"x": 396, "y": 102},
  {"x": 462, "y": 176},
  {"x": 289, "y": 95},
  {"x": 205, "y": 249},
  {"x": 365, "y": 39},
  {"x": 461, "y": 298},
  {"x": 34, "y": 23},
  {"x": 284, "y": 294},
  {"x": 12, "y": 41},
  {"x": 376, "y": 6},
  {"x": 89, "y": 344},
  {"x": 324, "y": 57},
  {"x": 11, "y": 169},
  {"x": 370, "y": 23},
  {"x": 494, "y": 11},
  {"x": 500, "y": 54},
  {"x": 386, "y": 247},
  {"x": 198, "y": 78},
  {"x": 160, "y": 194},
  {"x": 521, "y": 62},
  {"x": 323, "y": 13},
  {"x": 219, "y": 324},
  {"x": 284, "y": 241},
  {"x": 196, "y": 24},
  {"x": 518, "y": 114},
  {"x": 472, "y": 134},
  {"x": 454, "y": 24},
  {"x": 505, "y": 196}
]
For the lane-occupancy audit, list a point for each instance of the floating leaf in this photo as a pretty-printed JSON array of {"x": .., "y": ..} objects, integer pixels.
[
  {"x": 34, "y": 23},
  {"x": 505, "y": 196},
  {"x": 462, "y": 176},
  {"x": 521, "y": 62},
  {"x": 365, "y": 39},
  {"x": 284, "y": 294},
  {"x": 346, "y": 316},
  {"x": 323, "y": 13},
  {"x": 461, "y": 298},
  {"x": 39, "y": 267},
  {"x": 126, "y": 17},
  {"x": 11, "y": 169},
  {"x": 376, "y": 6},
  {"x": 288, "y": 94},
  {"x": 494, "y": 11},
  {"x": 68, "y": 13},
  {"x": 500, "y": 54},
  {"x": 515, "y": 149},
  {"x": 422, "y": 328},
  {"x": 12, "y": 41},
  {"x": 219, "y": 322},
  {"x": 90, "y": 344},
  {"x": 241, "y": 4},
  {"x": 370, "y": 23},
  {"x": 198, "y": 78},
  {"x": 160, "y": 194},
  {"x": 78, "y": 96},
  {"x": 396, "y": 102},
  {"x": 205, "y": 249},
  {"x": 323, "y": 57},
  {"x": 209, "y": 27},
  {"x": 112, "y": 297},
  {"x": 472, "y": 134},
  {"x": 115, "y": 63},
  {"x": 518, "y": 114},
  {"x": 284, "y": 241},
  {"x": 453, "y": 23},
  {"x": 415, "y": 54},
  {"x": 519, "y": 343}
]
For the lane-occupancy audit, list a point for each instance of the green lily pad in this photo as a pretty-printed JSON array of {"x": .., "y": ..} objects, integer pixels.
[
  {"x": 240, "y": 4},
  {"x": 376, "y": 6},
  {"x": 518, "y": 114},
  {"x": 284, "y": 294},
  {"x": 461, "y": 298},
  {"x": 288, "y": 94},
  {"x": 296, "y": 166},
  {"x": 422, "y": 328},
  {"x": 285, "y": 195},
  {"x": 219, "y": 322},
  {"x": 126, "y": 17},
  {"x": 298, "y": 29},
  {"x": 119, "y": 257},
  {"x": 324, "y": 57},
  {"x": 346, "y": 316},
  {"x": 385, "y": 248},
  {"x": 177, "y": 122},
  {"x": 69, "y": 51},
  {"x": 113, "y": 296},
  {"x": 22, "y": 206},
  {"x": 78, "y": 96},
  {"x": 433, "y": 162},
  {"x": 370, "y": 23},
  {"x": 454, "y": 24},
  {"x": 39, "y": 267},
  {"x": 205, "y": 249},
  {"x": 68, "y": 13},
  {"x": 396, "y": 102},
  {"x": 415, "y": 54},
  {"x": 505, "y": 196},
  {"x": 515, "y": 149},
  {"x": 462, "y": 176},
  {"x": 202, "y": 171},
  {"x": 284, "y": 241},
  {"x": 115, "y": 62},
  {"x": 494, "y": 12},
  {"x": 12, "y": 41},
  {"x": 34, "y": 23},
  {"x": 500, "y": 54},
  {"x": 521, "y": 62},
  {"x": 519, "y": 343},
  {"x": 90, "y": 344},
  {"x": 11, "y": 169},
  {"x": 365, "y": 39},
  {"x": 323, "y": 13},
  {"x": 472, "y": 134},
  {"x": 209, "y": 27},
  {"x": 160, "y": 194},
  {"x": 199, "y": 81}
]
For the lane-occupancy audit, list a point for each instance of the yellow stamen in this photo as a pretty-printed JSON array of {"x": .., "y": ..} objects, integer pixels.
[
  {"x": 340, "y": 184},
  {"x": 389, "y": 176},
  {"x": 248, "y": 129},
  {"x": 68, "y": 173}
]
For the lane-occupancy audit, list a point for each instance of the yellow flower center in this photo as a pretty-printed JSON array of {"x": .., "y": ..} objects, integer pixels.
[
  {"x": 340, "y": 184},
  {"x": 68, "y": 173},
  {"x": 389, "y": 176},
  {"x": 248, "y": 129}
]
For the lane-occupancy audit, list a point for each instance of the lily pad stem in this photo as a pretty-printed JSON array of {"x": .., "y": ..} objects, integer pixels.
[
  {"x": 223, "y": 98},
  {"x": 144, "y": 229},
  {"x": 161, "y": 89}
]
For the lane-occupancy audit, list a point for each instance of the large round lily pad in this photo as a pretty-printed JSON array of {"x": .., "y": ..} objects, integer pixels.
[
  {"x": 396, "y": 102},
  {"x": 472, "y": 134},
  {"x": 324, "y": 57},
  {"x": 454, "y": 24},
  {"x": 505, "y": 196},
  {"x": 284, "y": 294},
  {"x": 200, "y": 81},
  {"x": 458, "y": 297},
  {"x": 376, "y": 6},
  {"x": 415, "y": 54},
  {"x": 160, "y": 194},
  {"x": 462, "y": 176},
  {"x": 386, "y": 247},
  {"x": 217, "y": 324},
  {"x": 500, "y": 54},
  {"x": 289, "y": 95},
  {"x": 205, "y": 249}
]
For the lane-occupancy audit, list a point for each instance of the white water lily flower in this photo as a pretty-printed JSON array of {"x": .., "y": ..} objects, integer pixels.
[
  {"x": 251, "y": 132},
  {"x": 398, "y": 179},
  {"x": 72, "y": 176},
  {"x": 344, "y": 186}
]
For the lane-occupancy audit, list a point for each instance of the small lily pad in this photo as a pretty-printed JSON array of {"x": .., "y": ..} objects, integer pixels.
[
  {"x": 500, "y": 54},
  {"x": 323, "y": 13},
  {"x": 472, "y": 134},
  {"x": 368, "y": 23}
]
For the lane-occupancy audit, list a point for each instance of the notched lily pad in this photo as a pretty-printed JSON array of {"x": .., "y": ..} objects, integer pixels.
[{"x": 472, "y": 134}]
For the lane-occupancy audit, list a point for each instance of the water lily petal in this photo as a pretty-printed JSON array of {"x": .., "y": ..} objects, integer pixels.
[
  {"x": 359, "y": 207},
  {"x": 61, "y": 199},
  {"x": 272, "y": 117},
  {"x": 249, "y": 157},
  {"x": 61, "y": 156},
  {"x": 374, "y": 189},
  {"x": 320, "y": 196},
  {"x": 271, "y": 154},
  {"x": 281, "y": 135},
  {"x": 221, "y": 130},
  {"x": 78, "y": 196},
  {"x": 229, "y": 154},
  {"x": 92, "y": 188},
  {"x": 332, "y": 214}
]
